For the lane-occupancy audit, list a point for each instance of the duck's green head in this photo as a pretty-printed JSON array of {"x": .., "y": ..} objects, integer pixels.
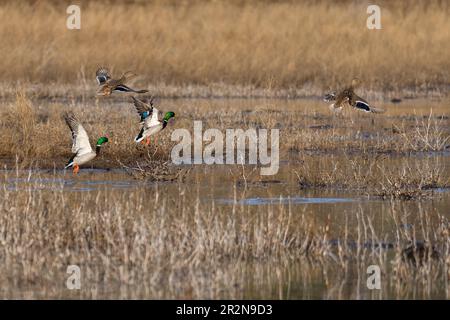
[
  {"x": 101, "y": 141},
  {"x": 169, "y": 115}
]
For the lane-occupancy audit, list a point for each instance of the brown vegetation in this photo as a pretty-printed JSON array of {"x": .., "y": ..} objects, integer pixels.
[
  {"x": 160, "y": 245},
  {"x": 170, "y": 236},
  {"x": 360, "y": 147},
  {"x": 286, "y": 45}
]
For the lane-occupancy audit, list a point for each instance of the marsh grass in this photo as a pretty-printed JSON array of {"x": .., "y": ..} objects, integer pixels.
[
  {"x": 411, "y": 179},
  {"x": 428, "y": 134},
  {"x": 175, "y": 245},
  {"x": 402, "y": 179},
  {"x": 359, "y": 147},
  {"x": 151, "y": 243},
  {"x": 156, "y": 170},
  {"x": 223, "y": 48},
  {"x": 35, "y": 132}
]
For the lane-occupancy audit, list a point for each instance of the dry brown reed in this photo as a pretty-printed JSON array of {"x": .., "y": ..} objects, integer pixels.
[
  {"x": 357, "y": 144},
  {"x": 161, "y": 244},
  {"x": 176, "y": 245},
  {"x": 386, "y": 178}
]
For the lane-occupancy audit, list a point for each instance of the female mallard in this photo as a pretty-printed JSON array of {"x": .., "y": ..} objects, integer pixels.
[
  {"x": 348, "y": 96},
  {"x": 330, "y": 97},
  {"x": 108, "y": 85},
  {"x": 149, "y": 120},
  {"x": 81, "y": 147}
]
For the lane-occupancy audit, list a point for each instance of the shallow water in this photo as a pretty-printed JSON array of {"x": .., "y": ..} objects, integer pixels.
[
  {"x": 226, "y": 188},
  {"x": 88, "y": 180},
  {"x": 284, "y": 279},
  {"x": 291, "y": 200}
]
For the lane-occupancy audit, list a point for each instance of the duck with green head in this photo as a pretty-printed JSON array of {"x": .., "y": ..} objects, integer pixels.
[
  {"x": 81, "y": 147},
  {"x": 149, "y": 120}
]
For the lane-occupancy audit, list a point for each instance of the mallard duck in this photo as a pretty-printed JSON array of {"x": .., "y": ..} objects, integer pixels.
[
  {"x": 330, "y": 97},
  {"x": 348, "y": 96},
  {"x": 149, "y": 120},
  {"x": 108, "y": 85},
  {"x": 81, "y": 147}
]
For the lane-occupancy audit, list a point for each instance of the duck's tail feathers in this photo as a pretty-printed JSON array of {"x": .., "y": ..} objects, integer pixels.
[
  {"x": 140, "y": 91},
  {"x": 140, "y": 136},
  {"x": 70, "y": 163},
  {"x": 377, "y": 110}
]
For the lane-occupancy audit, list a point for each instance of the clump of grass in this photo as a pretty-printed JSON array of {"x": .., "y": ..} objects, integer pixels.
[
  {"x": 35, "y": 133},
  {"x": 378, "y": 176},
  {"x": 34, "y": 130},
  {"x": 428, "y": 134},
  {"x": 21, "y": 128},
  {"x": 156, "y": 170},
  {"x": 410, "y": 181}
]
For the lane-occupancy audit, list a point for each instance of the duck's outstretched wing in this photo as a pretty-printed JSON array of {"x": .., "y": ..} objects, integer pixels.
[
  {"x": 329, "y": 97},
  {"x": 102, "y": 75},
  {"x": 362, "y": 104},
  {"x": 124, "y": 88},
  {"x": 149, "y": 123},
  {"x": 145, "y": 110},
  {"x": 80, "y": 139}
]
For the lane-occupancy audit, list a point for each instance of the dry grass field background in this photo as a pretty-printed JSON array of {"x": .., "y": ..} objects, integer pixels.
[
  {"x": 353, "y": 188},
  {"x": 267, "y": 45}
]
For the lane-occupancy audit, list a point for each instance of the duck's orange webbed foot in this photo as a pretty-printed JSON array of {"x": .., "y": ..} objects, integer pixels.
[
  {"x": 147, "y": 142},
  {"x": 76, "y": 168}
]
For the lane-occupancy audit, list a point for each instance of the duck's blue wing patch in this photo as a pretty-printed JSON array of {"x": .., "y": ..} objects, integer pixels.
[{"x": 144, "y": 115}]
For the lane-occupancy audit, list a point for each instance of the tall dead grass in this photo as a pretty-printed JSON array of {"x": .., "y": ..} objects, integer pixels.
[
  {"x": 264, "y": 44},
  {"x": 33, "y": 130},
  {"x": 428, "y": 134},
  {"x": 386, "y": 178},
  {"x": 176, "y": 245},
  {"x": 36, "y": 134}
]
